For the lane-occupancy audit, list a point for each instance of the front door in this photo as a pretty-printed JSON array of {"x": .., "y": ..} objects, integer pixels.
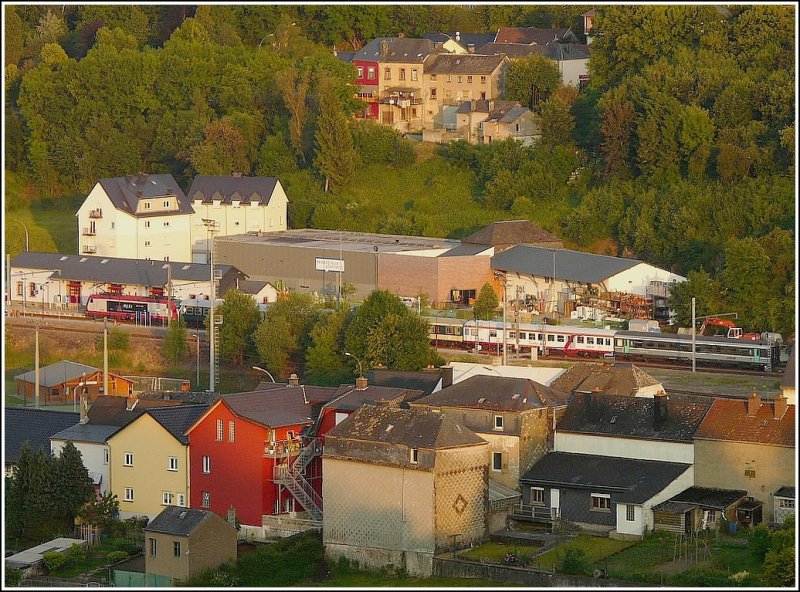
[{"x": 555, "y": 508}]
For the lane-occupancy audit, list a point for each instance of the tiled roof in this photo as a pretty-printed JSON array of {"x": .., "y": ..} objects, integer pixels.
[
  {"x": 178, "y": 521},
  {"x": 631, "y": 417},
  {"x": 279, "y": 406},
  {"x": 124, "y": 193},
  {"x": 497, "y": 393},
  {"x": 728, "y": 420},
  {"x": 461, "y": 63},
  {"x": 86, "y": 432},
  {"x": 570, "y": 265},
  {"x": 176, "y": 420},
  {"x": 628, "y": 480},
  {"x": 115, "y": 270},
  {"x": 423, "y": 380},
  {"x": 611, "y": 379},
  {"x": 413, "y": 427},
  {"x": 348, "y": 397},
  {"x": 35, "y": 426},
  {"x": 529, "y": 35},
  {"x": 112, "y": 411},
  {"x": 56, "y": 374},
  {"x": 511, "y": 232},
  {"x": 227, "y": 188}
]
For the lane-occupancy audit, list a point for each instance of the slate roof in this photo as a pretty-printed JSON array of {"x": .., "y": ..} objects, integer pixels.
[
  {"x": 423, "y": 380},
  {"x": 631, "y": 417},
  {"x": 246, "y": 189},
  {"x": 512, "y": 232},
  {"x": 57, "y": 373},
  {"x": 414, "y": 427},
  {"x": 574, "y": 266},
  {"x": 345, "y": 56},
  {"x": 279, "y": 406},
  {"x": 507, "y": 116},
  {"x": 463, "y": 63},
  {"x": 707, "y": 497},
  {"x": 123, "y": 193},
  {"x": 530, "y": 35},
  {"x": 628, "y": 480},
  {"x": 348, "y": 397},
  {"x": 464, "y": 39},
  {"x": 497, "y": 393},
  {"x": 559, "y": 52},
  {"x": 86, "y": 432},
  {"x": 485, "y": 106},
  {"x": 611, "y": 379},
  {"x": 176, "y": 420},
  {"x": 35, "y": 426},
  {"x": 177, "y": 520},
  {"x": 115, "y": 270},
  {"x": 674, "y": 507},
  {"x": 251, "y": 286},
  {"x": 407, "y": 50},
  {"x": 111, "y": 411},
  {"x": 512, "y": 50},
  {"x": 727, "y": 420},
  {"x": 465, "y": 250},
  {"x": 785, "y": 491},
  {"x": 788, "y": 380}
]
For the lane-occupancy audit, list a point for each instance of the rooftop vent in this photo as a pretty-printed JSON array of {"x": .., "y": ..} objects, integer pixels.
[
  {"x": 64, "y": 258},
  {"x": 389, "y": 428},
  {"x": 482, "y": 400},
  {"x": 182, "y": 515},
  {"x": 104, "y": 261},
  {"x": 515, "y": 396}
]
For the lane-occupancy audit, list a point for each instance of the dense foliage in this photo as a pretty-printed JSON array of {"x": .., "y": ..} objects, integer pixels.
[{"x": 680, "y": 153}]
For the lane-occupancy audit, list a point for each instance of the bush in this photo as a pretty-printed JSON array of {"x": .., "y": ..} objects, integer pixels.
[
  {"x": 54, "y": 561},
  {"x": 77, "y": 553},
  {"x": 760, "y": 541},
  {"x": 118, "y": 339},
  {"x": 116, "y": 556},
  {"x": 13, "y": 577},
  {"x": 573, "y": 562}
]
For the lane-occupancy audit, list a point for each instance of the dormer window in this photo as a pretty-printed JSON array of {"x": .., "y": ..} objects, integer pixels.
[
  {"x": 498, "y": 422},
  {"x": 147, "y": 205}
]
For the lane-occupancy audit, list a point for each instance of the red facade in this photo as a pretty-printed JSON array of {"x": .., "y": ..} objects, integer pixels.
[
  {"x": 240, "y": 474},
  {"x": 367, "y": 80}
]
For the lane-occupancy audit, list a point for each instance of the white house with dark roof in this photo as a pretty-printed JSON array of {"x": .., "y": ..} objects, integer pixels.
[
  {"x": 237, "y": 204},
  {"x": 136, "y": 217}
]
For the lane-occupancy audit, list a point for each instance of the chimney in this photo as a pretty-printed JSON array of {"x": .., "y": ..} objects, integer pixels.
[
  {"x": 753, "y": 404},
  {"x": 131, "y": 402},
  {"x": 294, "y": 380},
  {"x": 471, "y": 47},
  {"x": 660, "y": 404},
  {"x": 401, "y": 35},
  {"x": 142, "y": 177},
  {"x": 84, "y": 407},
  {"x": 361, "y": 383},
  {"x": 384, "y": 47},
  {"x": 237, "y": 175},
  {"x": 780, "y": 406},
  {"x": 129, "y": 178},
  {"x": 447, "y": 375}
]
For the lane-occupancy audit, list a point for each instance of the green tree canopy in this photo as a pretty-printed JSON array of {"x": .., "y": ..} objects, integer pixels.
[
  {"x": 487, "y": 302},
  {"x": 531, "y": 79},
  {"x": 240, "y": 317}
]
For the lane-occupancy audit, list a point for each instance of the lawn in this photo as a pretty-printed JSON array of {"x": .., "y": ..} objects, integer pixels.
[
  {"x": 596, "y": 549},
  {"x": 495, "y": 552}
]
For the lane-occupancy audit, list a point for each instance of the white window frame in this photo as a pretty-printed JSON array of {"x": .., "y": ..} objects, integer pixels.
[
  {"x": 127, "y": 459},
  {"x": 601, "y": 506},
  {"x": 206, "y": 465},
  {"x": 539, "y": 491},
  {"x": 128, "y": 495},
  {"x": 106, "y": 456},
  {"x": 205, "y": 499},
  {"x": 496, "y": 456},
  {"x": 360, "y": 71},
  {"x": 414, "y": 458},
  {"x": 172, "y": 463},
  {"x": 231, "y": 431},
  {"x": 220, "y": 430},
  {"x": 153, "y": 546},
  {"x": 167, "y": 498},
  {"x": 181, "y": 500},
  {"x": 630, "y": 513},
  {"x": 498, "y": 423}
]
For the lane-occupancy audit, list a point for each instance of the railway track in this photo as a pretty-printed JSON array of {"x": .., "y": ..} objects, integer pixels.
[{"x": 82, "y": 326}]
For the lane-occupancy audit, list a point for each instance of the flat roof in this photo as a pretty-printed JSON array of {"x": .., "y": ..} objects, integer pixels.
[{"x": 359, "y": 242}]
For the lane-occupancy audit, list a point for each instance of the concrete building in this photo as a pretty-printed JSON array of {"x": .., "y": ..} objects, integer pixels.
[{"x": 421, "y": 488}]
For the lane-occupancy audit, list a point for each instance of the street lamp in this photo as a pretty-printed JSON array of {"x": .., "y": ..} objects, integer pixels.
[
  {"x": 360, "y": 371},
  {"x": 264, "y": 371},
  {"x": 197, "y": 336}
]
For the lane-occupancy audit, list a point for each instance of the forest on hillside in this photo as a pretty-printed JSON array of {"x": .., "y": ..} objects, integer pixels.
[{"x": 680, "y": 152}]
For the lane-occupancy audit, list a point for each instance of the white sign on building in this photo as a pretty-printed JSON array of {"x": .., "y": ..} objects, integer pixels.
[{"x": 330, "y": 265}]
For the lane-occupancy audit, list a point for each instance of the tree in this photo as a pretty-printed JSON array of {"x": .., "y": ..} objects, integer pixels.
[
  {"x": 486, "y": 303},
  {"x": 324, "y": 357},
  {"x": 102, "y": 511},
  {"x": 335, "y": 155},
  {"x": 283, "y": 335},
  {"x": 557, "y": 121},
  {"x": 531, "y": 79},
  {"x": 780, "y": 560},
  {"x": 293, "y": 85},
  {"x": 72, "y": 486},
  {"x": 223, "y": 151},
  {"x": 274, "y": 342},
  {"x": 29, "y": 511},
  {"x": 616, "y": 126},
  {"x": 401, "y": 342},
  {"x": 175, "y": 345},
  {"x": 240, "y": 316},
  {"x": 377, "y": 306}
]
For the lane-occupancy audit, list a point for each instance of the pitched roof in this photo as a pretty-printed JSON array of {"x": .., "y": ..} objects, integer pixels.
[
  {"x": 711, "y": 497},
  {"x": 512, "y": 232},
  {"x": 508, "y": 115},
  {"x": 115, "y": 270},
  {"x": 423, "y": 380},
  {"x": 463, "y": 63},
  {"x": 57, "y": 373},
  {"x": 281, "y": 405},
  {"x": 573, "y": 266},
  {"x": 631, "y": 417},
  {"x": 629, "y": 480},
  {"x": 530, "y": 35},
  {"x": 788, "y": 380},
  {"x": 785, "y": 491},
  {"x": 485, "y": 106},
  {"x": 405, "y": 50},
  {"x": 463, "y": 39},
  {"x": 348, "y": 397},
  {"x": 86, "y": 432},
  {"x": 35, "y": 426},
  {"x": 611, "y": 379},
  {"x": 112, "y": 411},
  {"x": 178, "y": 520},
  {"x": 414, "y": 427},
  {"x": 728, "y": 420},
  {"x": 124, "y": 193},
  {"x": 176, "y": 420},
  {"x": 226, "y": 188},
  {"x": 497, "y": 393},
  {"x": 251, "y": 286}
]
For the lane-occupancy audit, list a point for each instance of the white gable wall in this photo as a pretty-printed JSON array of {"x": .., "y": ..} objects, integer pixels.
[{"x": 624, "y": 447}]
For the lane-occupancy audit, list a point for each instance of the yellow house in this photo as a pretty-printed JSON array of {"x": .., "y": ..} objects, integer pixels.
[{"x": 150, "y": 461}]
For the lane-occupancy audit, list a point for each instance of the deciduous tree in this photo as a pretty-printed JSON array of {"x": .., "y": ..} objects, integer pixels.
[
  {"x": 334, "y": 156},
  {"x": 240, "y": 317}
]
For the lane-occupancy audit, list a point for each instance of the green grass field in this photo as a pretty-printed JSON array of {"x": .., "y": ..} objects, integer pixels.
[{"x": 596, "y": 549}]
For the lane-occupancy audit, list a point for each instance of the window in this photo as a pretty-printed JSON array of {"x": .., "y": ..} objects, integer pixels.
[
  {"x": 560, "y": 338},
  {"x": 176, "y": 548},
  {"x": 449, "y": 78},
  {"x": 433, "y": 93},
  {"x": 206, "y": 464},
  {"x": 206, "y": 499},
  {"x": 106, "y": 456},
  {"x": 112, "y": 226},
  {"x": 550, "y": 337},
  {"x": 433, "y": 77},
  {"x": 483, "y": 79},
  {"x": 414, "y": 456},
  {"x": 498, "y": 422},
  {"x": 601, "y": 502},
  {"x": 147, "y": 205},
  {"x": 166, "y": 498},
  {"x": 128, "y": 460},
  {"x": 387, "y": 74},
  {"x": 153, "y": 547},
  {"x": 630, "y": 513},
  {"x": 173, "y": 463},
  {"x": 537, "y": 496},
  {"x": 469, "y": 79},
  {"x": 497, "y": 461},
  {"x": 459, "y": 79},
  {"x": 220, "y": 430},
  {"x": 413, "y": 74},
  {"x": 750, "y": 470},
  {"x": 20, "y": 288},
  {"x": 181, "y": 500},
  {"x": 782, "y": 503},
  {"x": 166, "y": 204},
  {"x": 360, "y": 70},
  {"x": 146, "y": 243},
  {"x": 579, "y": 339},
  {"x": 402, "y": 73},
  {"x": 147, "y": 223},
  {"x": 166, "y": 224},
  {"x": 128, "y": 494},
  {"x": 712, "y": 516},
  {"x": 371, "y": 73},
  {"x": 230, "y": 431},
  {"x": 590, "y": 341}
]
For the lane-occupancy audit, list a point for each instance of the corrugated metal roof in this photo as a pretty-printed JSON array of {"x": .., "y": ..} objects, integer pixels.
[
  {"x": 498, "y": 491},
  {"x": 57, "y": 373},
  {"x": 574, "y": 266}
]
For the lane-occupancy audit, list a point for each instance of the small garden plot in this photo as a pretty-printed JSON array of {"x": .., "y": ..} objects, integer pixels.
[
  {"x": 581, "y": 555},
  {"x": 496, "y": 552}
]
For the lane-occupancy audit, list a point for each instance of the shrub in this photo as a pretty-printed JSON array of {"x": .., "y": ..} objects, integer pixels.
[
  {"x": 13, "y": 577},
  {"x": 116, "y": 556},
  {"x": 54, "y": 561},
  {"x": 76, "y": 553},
  {"x": 118, "y": 339},
  {"x": 760, "y": 541},
  {"x": 573, "y": 562},
  {"x": 224, "y": 579}
]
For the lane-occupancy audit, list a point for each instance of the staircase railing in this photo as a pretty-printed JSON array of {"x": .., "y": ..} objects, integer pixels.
[{"x": 291, "y": 477}]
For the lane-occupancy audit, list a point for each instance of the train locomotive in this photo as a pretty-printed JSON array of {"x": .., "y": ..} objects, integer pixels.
[{"x": 141, "y": 309}]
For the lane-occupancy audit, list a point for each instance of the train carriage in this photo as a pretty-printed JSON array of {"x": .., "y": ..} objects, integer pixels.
[
  {"x": 194, "y": 311},
  {"x": 141, "y": 309},
  {"x": 446, "y": 332}
]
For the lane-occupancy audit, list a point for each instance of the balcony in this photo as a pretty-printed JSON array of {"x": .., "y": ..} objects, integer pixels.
[
  {"x": 400, "y": 101},
  {"x": 98, "y": 213},
  {"x": 282, "y": 449},
  {"x": 89, "y": 249},
  {"x": 88, "y": 232}
]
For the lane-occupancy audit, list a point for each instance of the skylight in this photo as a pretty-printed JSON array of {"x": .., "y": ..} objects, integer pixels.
[
  {"x": 64, "y": 258},
  {"x": 104, "y": 261}
]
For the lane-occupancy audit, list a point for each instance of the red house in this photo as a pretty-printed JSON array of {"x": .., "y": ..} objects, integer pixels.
[
  {"x": 246, "y": 453},
  {"x": 366, "y": 63}
]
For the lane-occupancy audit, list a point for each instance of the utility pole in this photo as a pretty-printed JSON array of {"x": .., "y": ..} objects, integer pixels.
[
  {"x": 169, "y": 294},
  {"x": 36, "y": 366},
  {"x": 105, "y": 356},
  {"x": 694, "y": 332},
  {"x": 212, "y": 327}
]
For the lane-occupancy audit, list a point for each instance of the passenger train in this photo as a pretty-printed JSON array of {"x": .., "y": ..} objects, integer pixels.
[
  {"x": 487, "y": 336},
  {"x": 125, "y": 307}
]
